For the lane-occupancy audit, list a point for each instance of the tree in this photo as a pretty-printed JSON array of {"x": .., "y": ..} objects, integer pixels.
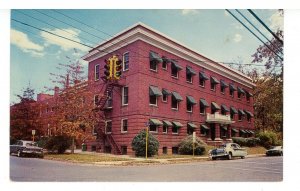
[
  {"x": 24, "y": 116},
  {"x": 268, "y": 93},
  {"x": 139, "y": 144},
  {"x": 74, "y": 104}
]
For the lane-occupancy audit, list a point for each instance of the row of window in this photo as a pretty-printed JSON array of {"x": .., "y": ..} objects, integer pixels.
[
  {"x": 155, "y": 92},
  {"x": 190, "y": 73},
  {"x": 154, "y": 125}
]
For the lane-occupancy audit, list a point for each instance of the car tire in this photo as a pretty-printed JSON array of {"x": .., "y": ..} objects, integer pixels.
[
  {"x": 281, "y": 154},
  {"x": 19, "y": 154},
  {"x": 229, "y": 157},
  {"x": 213, "y": 158},
  {"x": 242, "y": 157}
]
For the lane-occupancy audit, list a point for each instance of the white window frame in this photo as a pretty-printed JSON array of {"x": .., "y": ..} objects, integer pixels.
[
  {"x": 222, "y": 92},
  {"x": 122, "y": 123},
  {"x": 123, "y": 63},
  {"x": 93, "y": 130},
  {"x": 166, "y": 68},
  {"x": 187, "y": 79},
  {"x": 165, "y": 132},
  {"x": 162, "y": 98},
  {"x": 189, "y": 111},
  {"x": 151, "y": 104},
  {"x": 156, "y": 129},
  {"x": 176, "y": 77},
  {"x": 203, "y": 83},
  {"x": 96, "y": 72},
  {"x": 214, "y": 86},
  {"x": 176, "y": 105},
  {"x": 106, "y": 126},
  {"x": 174, "y": 132},
  {"x": 231, "y": 95},
  {"x": 123, "y": 104},
  {"x": 200, "y": 109}
]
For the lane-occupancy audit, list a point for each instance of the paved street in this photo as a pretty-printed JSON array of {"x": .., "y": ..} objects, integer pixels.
[{"x": 251, "y": 169}]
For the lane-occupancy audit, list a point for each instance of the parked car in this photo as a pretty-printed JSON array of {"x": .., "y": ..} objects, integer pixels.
[
  {"x": 26, "y": 148},
  {"x": 275, "y": 151},
  {"x": 228, "y": 150}
]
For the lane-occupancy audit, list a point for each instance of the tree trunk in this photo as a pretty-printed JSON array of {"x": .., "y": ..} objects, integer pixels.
[{"x": 73, "y": 145}]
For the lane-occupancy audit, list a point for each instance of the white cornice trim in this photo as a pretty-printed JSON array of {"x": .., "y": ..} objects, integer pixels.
[{"x": 139, "y": 33}]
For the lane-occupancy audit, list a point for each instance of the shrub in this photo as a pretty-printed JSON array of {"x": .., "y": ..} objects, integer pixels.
[
  {"x": 42, "y": 142},
  {"x": 247, "y": 142},
  {"x": 58, "y": 144},
  {"x": 268, "y": 139},
  {"x": 186, "y": 146},
  {"x": 139, "y": 144}
]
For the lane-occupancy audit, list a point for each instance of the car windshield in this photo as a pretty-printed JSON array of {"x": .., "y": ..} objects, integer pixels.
[
  {"x": 31, "y": 144},
  {"x": 222, "y": 146}
]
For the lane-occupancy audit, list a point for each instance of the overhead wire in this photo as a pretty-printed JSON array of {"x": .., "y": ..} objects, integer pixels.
[
  {"x": 37, "y": 28},
  {"x": 261, "y": 22},
  {"x": 277, "y": 48},
  {"x": 254, "y": 34}
]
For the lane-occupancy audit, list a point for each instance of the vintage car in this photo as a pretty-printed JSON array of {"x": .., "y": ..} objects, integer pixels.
[
  {"x": 26, "y": 148},
  {"x": 228, "y": 151},
  {"x": 275, "y": 151}
]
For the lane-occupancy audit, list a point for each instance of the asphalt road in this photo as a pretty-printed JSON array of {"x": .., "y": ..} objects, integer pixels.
[{"x": 244, "y": 170}]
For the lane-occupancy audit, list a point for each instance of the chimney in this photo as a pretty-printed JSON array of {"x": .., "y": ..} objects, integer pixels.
[
  {"x": 67, "y": 81},
  {"x": 56, "y": 91}
]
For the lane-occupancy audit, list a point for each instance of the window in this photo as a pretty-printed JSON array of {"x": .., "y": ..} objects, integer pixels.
[
  {"x": 94, "y": 131},
  {"x": 165, "y": 128},
  {"x": 231, "y": 92},
  {"x": 190, "y": 130},
  {"x": 153, "y": 128},
  {"x": 240, "y": 117},
  {"x": 153, "y": 99},
  {"x": 174, "y": 103},
  {"x": 174, "y": 150},
  {"x": 203, "y": 129},
  {"x": 174, "y": 129},
  {"x": 190, "y": 101},
  {"x": 165, "y": 63},
  {"x": 232, "y": 116},
  {"x": 189, "y": 77},
  {"x": 248, "y": 98},
  {"x": 96, "y": 100},
  {"x": 124, "y": 125},
  {"x": 126, "y": 61},
  {"x": 239, "y": 95},
  {"x": 174, "y": 71},
  {"x": 240, "y": 92},
  {"x": 124, "y": 150},
  {"x": 212, "y": 86},
  {"x": 165, "y": 150},
  {"x": 125, "y": 96},
  {"x": 97, "y": 72},
  {"x": 154, "y": 60},
  {"x": 203, "y": 105},
  {"x": 109, "y": 102},
  {"x": 165, "y": 98},
  {"x": 222, "y": 89},
  {"x": 189, "y": 106},
  {"x": 108, "y": 127},
  {"x": 202, "y": 79},
  {"x": 249, "y": 118}
]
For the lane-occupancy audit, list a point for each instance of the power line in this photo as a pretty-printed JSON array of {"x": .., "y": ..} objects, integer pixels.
[
  {"x": 278, "y": 48},
  {"x": 75, "y": 35},
  {"x": 254, "y": 34},
  {"x": 108, "y": 53},
  {"x": 261, "y": 22}
]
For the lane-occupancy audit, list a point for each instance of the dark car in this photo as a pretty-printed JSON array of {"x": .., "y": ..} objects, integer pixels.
[
  {"x": 26, "y": 148},
  {"x": 275, "y": 151}
]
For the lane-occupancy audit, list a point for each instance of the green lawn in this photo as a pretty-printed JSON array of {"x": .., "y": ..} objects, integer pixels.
[{"x": 84, "y": 158}]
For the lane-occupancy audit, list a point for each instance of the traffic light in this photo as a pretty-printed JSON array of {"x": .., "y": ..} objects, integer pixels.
[
  {"x": 108, "y": 68},
  {"x": 117, "y": 69}
]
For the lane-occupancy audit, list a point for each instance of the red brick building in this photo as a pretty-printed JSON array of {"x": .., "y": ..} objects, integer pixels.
[{"x": 170, "y": 88}]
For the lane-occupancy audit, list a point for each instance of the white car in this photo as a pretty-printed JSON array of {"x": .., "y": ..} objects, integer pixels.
[{"x": 228, "y": 151}]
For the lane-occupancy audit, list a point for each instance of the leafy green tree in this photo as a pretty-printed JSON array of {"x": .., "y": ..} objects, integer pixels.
[{"x": 139, "y": 144}]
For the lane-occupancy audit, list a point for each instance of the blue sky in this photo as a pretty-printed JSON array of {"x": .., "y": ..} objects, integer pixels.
[{"x": 34, "y": 54}]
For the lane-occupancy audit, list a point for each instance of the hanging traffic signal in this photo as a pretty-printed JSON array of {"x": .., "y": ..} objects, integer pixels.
[
  {"x": 108, "y": 68},
  {"x": 117, "y": 69}
]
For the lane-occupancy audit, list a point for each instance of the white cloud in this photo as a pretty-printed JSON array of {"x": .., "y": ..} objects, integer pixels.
[
  {"x": 276, "y": 21},
  {"x": 189, "y": 12},
  {"x": 22, "y": 41},
  {"x": 237, "y": 37},
  {"x": 64, "y": 44}
]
